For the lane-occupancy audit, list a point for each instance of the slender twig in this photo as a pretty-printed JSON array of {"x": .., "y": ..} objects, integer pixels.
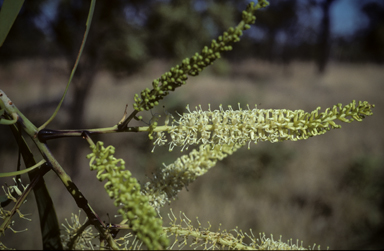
[
  {"x": 124, "y": 124},
  {"x": 48, "y": 134},
  {"x": 81, "y": 201}
]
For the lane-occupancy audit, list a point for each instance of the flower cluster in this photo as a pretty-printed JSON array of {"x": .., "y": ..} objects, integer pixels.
[
  {"x": 177, "y": 75},
  {"x": 171, "y": 179},
  {"x": 125, "y": 189},
  {"x": 239, "y": 127},
  {"x": 221, "y": 132},
  {"x": 205, "y": 238},
  {"x": 77, "y": 235},
  {"x": 12, "y": 193}
]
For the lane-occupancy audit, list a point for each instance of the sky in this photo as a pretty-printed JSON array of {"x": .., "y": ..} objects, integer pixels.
[{"x": 346, "y": 18}]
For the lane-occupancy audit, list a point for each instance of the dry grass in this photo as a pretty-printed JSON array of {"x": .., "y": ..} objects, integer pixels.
[{"x": 325, "y": 190}]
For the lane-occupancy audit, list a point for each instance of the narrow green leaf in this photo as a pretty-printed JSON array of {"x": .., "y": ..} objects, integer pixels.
[
  {"x": 8, "y": 14},
  {"x": 50, "y": 229},
  {"x": 10, "y": 174},
  {"x": 4, "y": 201},
  {"x": 88, "y": 26}
]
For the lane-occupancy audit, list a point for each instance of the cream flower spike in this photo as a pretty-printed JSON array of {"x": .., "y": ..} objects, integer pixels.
[
  {"x": 168, "y": 181},
  {"x": 227, "y": 127}
]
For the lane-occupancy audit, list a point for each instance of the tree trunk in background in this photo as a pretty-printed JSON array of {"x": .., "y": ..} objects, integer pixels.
[
  {"x": 324, "y": 37},
  {"x": 81, "y": 87}
]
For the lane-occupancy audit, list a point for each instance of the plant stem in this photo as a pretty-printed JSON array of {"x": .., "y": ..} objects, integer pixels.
[
  {"x": 48, "y": 134},
  {"x": 52, "y": 163}
]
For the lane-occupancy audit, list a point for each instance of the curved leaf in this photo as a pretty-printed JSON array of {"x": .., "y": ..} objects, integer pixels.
[
  {"x": 50, "y": 229},
  {"x": 8, "y": 14},
  {"x": 88, "y": 26}
]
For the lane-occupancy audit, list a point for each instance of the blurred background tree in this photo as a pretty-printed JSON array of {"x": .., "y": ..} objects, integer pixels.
[{"x": 125, "y": 34}]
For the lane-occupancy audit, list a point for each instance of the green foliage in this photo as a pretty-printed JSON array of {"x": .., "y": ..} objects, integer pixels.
[
  {"x": 9, "y": 11},
  {"x": 218, "y": 133},
  {"x": 23, "y": 33}
]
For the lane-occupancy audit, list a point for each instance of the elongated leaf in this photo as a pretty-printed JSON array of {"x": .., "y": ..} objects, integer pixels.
[
  {"x": 8, "y": 14},
  {"x": 49, "y": 224},
  {"x": 88, "y": 26}
]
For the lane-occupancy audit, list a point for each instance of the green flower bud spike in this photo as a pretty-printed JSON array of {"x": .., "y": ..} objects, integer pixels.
[
  {"x": 192, "y": 66},
  {"x": 125, "y": 189}
]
